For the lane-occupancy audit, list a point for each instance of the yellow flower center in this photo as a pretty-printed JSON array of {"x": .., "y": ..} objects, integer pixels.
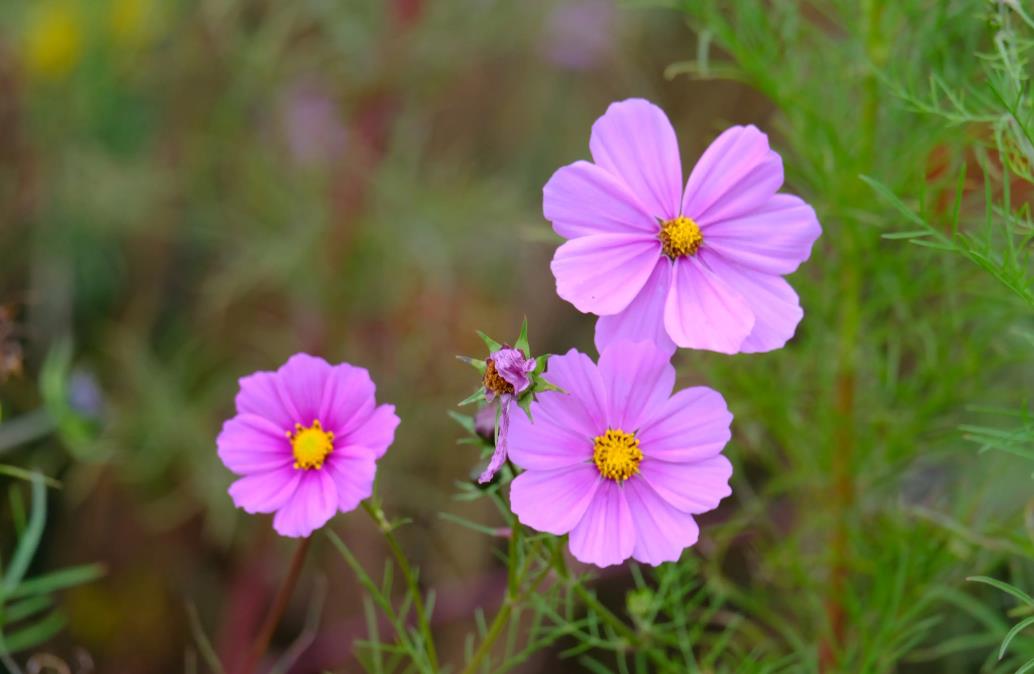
[
  {"x": 680, "y": 236},
  {"x": 310, "y": 445},
  {"x": 616, "y": 454}
]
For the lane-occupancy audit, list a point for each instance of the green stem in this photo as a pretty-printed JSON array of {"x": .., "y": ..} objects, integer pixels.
[
  {"x": 502, "y": 617},
  {"x": 608, "y": 616},
  {"x": 634, "y": 638},
  {"x": 423, "y": 620},
  {"x": 843, "y": 441}
]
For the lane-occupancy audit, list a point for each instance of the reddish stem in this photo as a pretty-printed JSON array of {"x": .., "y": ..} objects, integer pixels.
[{"x": 276, "y": 610}]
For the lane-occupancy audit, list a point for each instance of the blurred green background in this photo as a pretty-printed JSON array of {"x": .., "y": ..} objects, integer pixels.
[{"x": 194, "y": 190}]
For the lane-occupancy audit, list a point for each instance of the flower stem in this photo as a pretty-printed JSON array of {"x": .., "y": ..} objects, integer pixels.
[
  {"x": 512, "y": 598},
  {"x": 844, "y": 442},
  {"x": 634, "y": 638},
  {"x": 276, "y": 610},
  {"x": 423, "y": 620},
  {"x": 502, "y": 617}
]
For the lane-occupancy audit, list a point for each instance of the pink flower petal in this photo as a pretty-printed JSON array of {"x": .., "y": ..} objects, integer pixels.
[
  {"x": 635, "y": 140},
  {"x": 582, "y": 199},
  {"x": 775, "y": 306},
  {"x": 265, "y": 492},
  {"x": 348, "y": 398},
  {"x": 603, "y": 273},
  {"x": 643, "y": 318},
  {"x": 352, "y": 469},
  {"x": 606, "y": 533},
  {"x": 704, "y": 312},
  {"x": 775, "y": 238},
  {"x": 554, "y": 501},
  {"x": 501, "y": 440},
  {"x": 692, "y": 425},
  {"x": 300, "y": 381},
  {"x": 547, "y": 443},
  {"x": 376, "y": 431},
  {"x": 736, "y": 175},
  {"x": 259, "y": 395},
  {"x": 582, "y": 406},
  {"x": 638, "y": 378},
  {"x": 690, "y": 487},
  {"x": 312, "y": 505},
  {"x": 252, "y": 444},
  {"x": 661, "y": 531}
]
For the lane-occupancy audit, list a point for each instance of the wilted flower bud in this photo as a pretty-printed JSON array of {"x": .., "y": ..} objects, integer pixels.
[
  {"x": 506, "y": 372},
  {"x": 508, "y": 375}
]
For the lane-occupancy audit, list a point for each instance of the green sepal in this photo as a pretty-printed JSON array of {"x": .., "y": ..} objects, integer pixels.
[
  {"x": 525, "y": 404},
  {"x": 477, "y": 363},
  {"x": 492, "y": 345},
  {"x": 540, "y": 363},
  {"x": 474, "y": 397},
  {"x": 539, "y": 384},
  {"x": 522, "y": 340},
  {"x": 464, "y": 420}
]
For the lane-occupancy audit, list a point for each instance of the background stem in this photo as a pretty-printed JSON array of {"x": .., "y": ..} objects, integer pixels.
[
  {"x": 423, "y": 620},
  {"x": 276, "y": 610}
]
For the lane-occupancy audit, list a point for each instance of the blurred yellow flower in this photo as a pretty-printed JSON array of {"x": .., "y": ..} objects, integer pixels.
[
  {"x": 53, "y": 40},
  {"x": 131, "y": 21}
]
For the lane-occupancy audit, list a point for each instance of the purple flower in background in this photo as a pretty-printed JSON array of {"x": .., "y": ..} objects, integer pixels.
[
  {"x": 85, "y": 395},
  {"x": 506, "y": 377},
  {"x": 617, "y": 461},
  {"x": 698, "y": 268},
  {"x": 581, "y": 34},
  {"x": 312, "y": 126},
  {"x": 484, "y": 422},
  {"x": 306, "y": 439}
]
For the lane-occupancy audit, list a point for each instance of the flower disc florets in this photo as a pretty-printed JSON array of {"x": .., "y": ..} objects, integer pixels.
[
  {"x": 616, "y": 455},
  {"x": 494, "y": 383},
  {"x": 680, "y": 236}
]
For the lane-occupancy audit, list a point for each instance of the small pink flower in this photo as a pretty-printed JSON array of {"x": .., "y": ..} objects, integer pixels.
[
  {"x": 617, "y": 461},
  {"x": 698, "y": 268},
  {"x": 306, "y": 439}
]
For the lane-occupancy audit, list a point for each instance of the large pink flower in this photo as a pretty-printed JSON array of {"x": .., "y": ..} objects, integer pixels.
[
  {"x": 306, "y": 439},
  {"x": 618, "y": 461},
  {"x": 699, "y": 268}
]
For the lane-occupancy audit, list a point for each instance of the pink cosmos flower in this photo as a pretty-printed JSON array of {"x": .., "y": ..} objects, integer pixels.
[
  {"x": 306, "y": 439},
  {"x": 618, "y": 461},
  {"x": 699, "y": 268}
]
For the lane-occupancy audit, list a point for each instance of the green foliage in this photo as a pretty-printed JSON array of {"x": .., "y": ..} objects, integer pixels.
[{"x": 28, "y": 613}]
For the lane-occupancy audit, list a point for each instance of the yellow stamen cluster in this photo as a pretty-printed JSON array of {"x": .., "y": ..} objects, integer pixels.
[
  {"x": 680, "y": 236},
  {"x": 493, "y": 381},
  {"x": 616, "y": 454},
  {"x": 310, "y": 445}
]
